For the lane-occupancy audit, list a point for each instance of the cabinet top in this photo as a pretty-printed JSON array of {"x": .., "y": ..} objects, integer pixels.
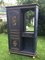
[{"x": 23, "y": 6}]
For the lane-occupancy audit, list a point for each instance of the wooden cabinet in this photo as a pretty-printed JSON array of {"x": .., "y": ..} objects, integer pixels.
[{"x": 22, "y": 29}]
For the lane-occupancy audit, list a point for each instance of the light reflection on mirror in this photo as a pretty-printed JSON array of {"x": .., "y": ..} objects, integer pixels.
[{"x": 29, "y": 20}]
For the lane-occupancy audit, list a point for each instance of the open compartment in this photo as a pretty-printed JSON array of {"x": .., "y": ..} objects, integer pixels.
[{"x": 27, "y": 44}]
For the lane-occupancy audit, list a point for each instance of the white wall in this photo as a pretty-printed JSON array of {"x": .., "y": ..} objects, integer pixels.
[{"x": 3, "y": 17}]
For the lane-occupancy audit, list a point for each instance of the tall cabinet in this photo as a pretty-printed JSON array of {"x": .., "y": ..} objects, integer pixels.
[{"x": 22, "y": 24}]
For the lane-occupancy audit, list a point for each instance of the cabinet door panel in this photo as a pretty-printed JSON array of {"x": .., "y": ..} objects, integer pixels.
[
  {"x": 14, "y": 28},
  {"x": 14, "y": 19}
]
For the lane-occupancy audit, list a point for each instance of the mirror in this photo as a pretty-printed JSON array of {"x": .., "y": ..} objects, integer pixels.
[{"x": 29, "y": 20}]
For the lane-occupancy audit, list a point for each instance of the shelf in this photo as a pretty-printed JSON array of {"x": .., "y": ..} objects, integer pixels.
[{"x": 28, "y": 34}]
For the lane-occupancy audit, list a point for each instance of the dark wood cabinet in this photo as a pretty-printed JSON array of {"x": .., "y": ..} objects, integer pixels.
[{"x": 22, "y": 24}]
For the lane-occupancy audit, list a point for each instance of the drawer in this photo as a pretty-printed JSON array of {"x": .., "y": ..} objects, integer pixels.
[
  {"x": 14, "y": 36},
  {"x": 14, "y": 33},
  {"x": 27, "y": 34}
]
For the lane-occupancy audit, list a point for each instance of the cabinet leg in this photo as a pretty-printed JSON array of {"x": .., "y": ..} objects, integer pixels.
[{"x": 33, "y": 57}]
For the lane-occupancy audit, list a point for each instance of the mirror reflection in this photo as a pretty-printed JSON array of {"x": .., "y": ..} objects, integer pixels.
[{"x": 29, "y": 20}]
